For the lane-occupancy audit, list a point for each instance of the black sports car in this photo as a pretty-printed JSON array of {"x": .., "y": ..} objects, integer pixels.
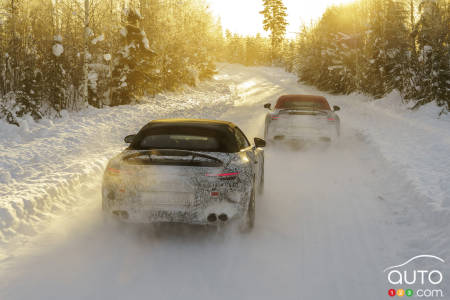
[{"x": 187, "y": 171}]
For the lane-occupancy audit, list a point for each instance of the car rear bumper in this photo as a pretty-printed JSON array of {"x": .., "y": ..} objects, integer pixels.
[
  {"x": 304, "y": 134},
  {"x": 287, "y": 138},
  {"x": 190, "y": 209}
]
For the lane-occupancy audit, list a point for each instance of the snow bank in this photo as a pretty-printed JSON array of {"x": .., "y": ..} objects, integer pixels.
[
  {"x": 43, "y": 162},
  {"x": 416, "y": 142}
]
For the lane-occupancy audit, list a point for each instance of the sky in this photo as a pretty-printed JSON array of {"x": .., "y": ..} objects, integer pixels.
[{"x": 242, "y": 16}]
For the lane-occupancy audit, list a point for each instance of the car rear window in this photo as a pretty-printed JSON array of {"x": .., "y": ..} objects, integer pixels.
[
  {"x": 198, "y": 137},
  {"x": 306, "y": 105},
  {"x": 302, "y": 102}
]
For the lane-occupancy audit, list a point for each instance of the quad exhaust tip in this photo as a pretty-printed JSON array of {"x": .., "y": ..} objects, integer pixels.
[
  {"x": 212, "y": 218},
  {"x": 223, "y": 217}
]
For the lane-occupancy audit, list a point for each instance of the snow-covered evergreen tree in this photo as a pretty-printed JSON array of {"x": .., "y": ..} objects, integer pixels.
[
  {"x": 133, "y": 65},
  {"x": 275, "y": 21},
  {"x": 374, "y": 81},
  {"x": 56, "y": 76},
  {"x": 432, "y": 78},
  {"x": 377, "y": 46}
]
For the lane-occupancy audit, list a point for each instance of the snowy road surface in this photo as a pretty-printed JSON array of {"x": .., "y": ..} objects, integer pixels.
[{"x": 330, "y": 220}]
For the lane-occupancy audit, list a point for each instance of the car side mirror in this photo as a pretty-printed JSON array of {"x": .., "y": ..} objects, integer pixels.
[
  {"x": 260, "y": 143},
  {"x": 336, "y": 108},
  {"x": 268, "y": 105},
  {"x": 129, "y": 138}
]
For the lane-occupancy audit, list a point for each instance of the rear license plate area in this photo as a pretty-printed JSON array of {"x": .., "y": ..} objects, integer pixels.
[{"x": 166, "y": 201}]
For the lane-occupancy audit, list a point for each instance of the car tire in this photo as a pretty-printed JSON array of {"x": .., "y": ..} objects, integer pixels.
[{"x": 248, "y": 220}]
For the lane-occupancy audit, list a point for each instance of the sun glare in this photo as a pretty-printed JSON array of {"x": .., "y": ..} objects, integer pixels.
[{"x": 242, "y": 16}]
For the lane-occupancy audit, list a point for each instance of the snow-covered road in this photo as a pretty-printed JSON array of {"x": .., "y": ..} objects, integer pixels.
[{"x": 330, "y": 220}]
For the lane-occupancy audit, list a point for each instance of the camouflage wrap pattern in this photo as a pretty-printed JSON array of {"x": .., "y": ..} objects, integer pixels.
[{"x": 184, "y": 194}]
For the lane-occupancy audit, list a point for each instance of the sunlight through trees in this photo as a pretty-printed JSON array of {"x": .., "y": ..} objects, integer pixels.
[{"x": 65, "y": 54}]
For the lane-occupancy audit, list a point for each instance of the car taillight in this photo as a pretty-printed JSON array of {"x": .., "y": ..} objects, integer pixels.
[
  {"x": 223, "y": 174},
  {"x": 214, "y": 194},
  {"x": 275, "y": 118},
  {"x": 112, "y": 171}
]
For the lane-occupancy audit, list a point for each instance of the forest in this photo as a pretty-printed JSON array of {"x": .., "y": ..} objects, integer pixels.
[
  {"x": 65, "y": 55},
  {"x": 377, "y": 46}
]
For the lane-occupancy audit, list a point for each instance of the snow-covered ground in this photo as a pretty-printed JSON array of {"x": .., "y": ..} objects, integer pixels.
[{"x": 330, "y": 221}]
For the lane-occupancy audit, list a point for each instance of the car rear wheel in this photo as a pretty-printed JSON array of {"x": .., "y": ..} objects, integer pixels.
[{"x": 248, "y": 221}]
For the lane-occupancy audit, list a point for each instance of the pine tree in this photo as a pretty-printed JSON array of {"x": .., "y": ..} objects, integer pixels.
[
  {"x": 397, "y": 45},
  {"x": 433, "y": 71},
  {"x": 132, "y": 74},
  {"x": 374, "y": 61},
  {"x": 288, "y": 55},
  {"x": 251, "y": 51},
  {"x": 56, "y": 76},
  {"x": 275, "y": 21}
]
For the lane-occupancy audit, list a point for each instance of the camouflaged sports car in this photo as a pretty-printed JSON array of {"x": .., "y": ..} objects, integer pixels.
[
  {"x": 185, "y": 171},
  {"x": 302, "y": 117}
]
